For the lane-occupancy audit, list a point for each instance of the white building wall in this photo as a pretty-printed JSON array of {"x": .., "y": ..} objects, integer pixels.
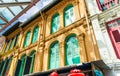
[
  {"x": 109, "y": 46},
  {"x": 98, "y": 20},
  {"x": 92, "y": 6},
  {"x": 104, "y": 43},
  {"x": 104, "y": 52}
]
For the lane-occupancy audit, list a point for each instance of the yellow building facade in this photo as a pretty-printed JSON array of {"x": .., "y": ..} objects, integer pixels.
[{"x": 79, "y": 28}]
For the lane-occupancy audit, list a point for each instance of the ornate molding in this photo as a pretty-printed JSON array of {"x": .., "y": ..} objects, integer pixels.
[
  {"x": 81, "y": 37},
  {"x": 29, "y": 46}
]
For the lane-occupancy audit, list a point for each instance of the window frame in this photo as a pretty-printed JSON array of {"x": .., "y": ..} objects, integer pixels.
[
  {"x": 68, "y": 9},
  {"x": 54, "y": 43},
  {"x": 33, "y": 36},
  {"x": 33, "y": 61},
  {"x": 67, "y": 40},
  {"x": 7, "y": 45},
  {"x": 25, "y": 44},
  {"x": 57, "y": 18},
  {"x": 22, "y": 67}
]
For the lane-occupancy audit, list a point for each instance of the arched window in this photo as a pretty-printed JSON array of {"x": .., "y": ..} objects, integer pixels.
[
  {"x": 3, "y": 67},
  {"x": 32, "y": 55},
  {"x": 35, "y": 34},
  {"x": 7, "y": 46},
  {"x": 54, "y": 55},
  {"x": 69, "y": 16},
  {"x": 72, "y": 50},
  {"x": 29, "y": 63},
  {"x": 16, "y": 39},
  {"x": 55, "y": 23},
  {"x": 23, "y": 61},
  {"x": 27, "y": 39},
  {"x": 7, "y": 67},
  {"x": 12, "y": 43}
]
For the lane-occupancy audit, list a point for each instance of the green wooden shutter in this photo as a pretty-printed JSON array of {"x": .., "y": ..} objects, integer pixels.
[
  {"x": 7, "y": 47},
  {"x": 8, "y": 67},
  {"x": 12, "y": 43},
  {"x": 72, "y": 46},
  {"x": 1, "y": 67},
  {"x": 35, "y": 34},
  {"x": 27, "y": 39},
  {"x": 3, "y": 74},
  {"x": 27, "y": 65},
  {"x": 32, "y": 55},
  {"x": 16, "y": 40},
  {"x": 2, "y": 71},
  {"x": 69, "y": 16},
  {"x": 23, "y": 59},
  {"x": 32, "y": 64},
  {"x": 54, "y": 56},
  {"x": 55, "y": 23},
  {"x": 17, "y": 71}
]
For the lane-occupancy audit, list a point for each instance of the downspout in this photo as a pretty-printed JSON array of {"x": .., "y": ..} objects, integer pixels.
[{"x": 43, "y": 37}]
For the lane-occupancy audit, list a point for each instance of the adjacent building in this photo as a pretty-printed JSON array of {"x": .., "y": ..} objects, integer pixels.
[{"x": 105, "y": 17}]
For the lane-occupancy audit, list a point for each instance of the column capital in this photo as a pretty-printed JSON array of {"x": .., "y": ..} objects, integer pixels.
[{"x": 81, "y": 37}]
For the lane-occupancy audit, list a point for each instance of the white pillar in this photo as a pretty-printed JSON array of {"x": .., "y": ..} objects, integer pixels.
[{"x": 102, "y": 41}]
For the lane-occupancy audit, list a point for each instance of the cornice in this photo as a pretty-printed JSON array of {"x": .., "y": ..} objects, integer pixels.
[{"x": 112, "y": 12}]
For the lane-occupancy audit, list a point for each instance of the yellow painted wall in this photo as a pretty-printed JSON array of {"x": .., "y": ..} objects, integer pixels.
[{"x": 88, "y": 47}]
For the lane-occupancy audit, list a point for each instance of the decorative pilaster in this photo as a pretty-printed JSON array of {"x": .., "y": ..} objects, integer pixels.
[
  {"x": 22, "y": 38},
  {"x": 47, "y": 27},
  {"x": 77, "y": 10},
  {"x": 90, "y": 47},
  {"x": 38, "y": 60},
  {"x": 61, "y": 19},
  {"x": 45, "y": 60},
  {"x": 62, "y": 54},
  {"x": 83, "y": 54},
  {"x": 39, "y": 33},
  {"x": 31, "y": 37},
  {"x": 13, "y": 66},
  {"x": 81, "y": 7}
]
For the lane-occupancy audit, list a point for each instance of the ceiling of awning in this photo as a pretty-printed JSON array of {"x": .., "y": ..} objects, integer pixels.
[
  {"x": 11, "y": 8},
  {"x": 19, "y": 10}
]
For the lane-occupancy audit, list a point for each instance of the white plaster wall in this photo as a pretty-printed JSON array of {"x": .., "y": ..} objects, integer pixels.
[
  {"x": 104, "y": 52},
  {"x": 105, "y": 46},
  {"x": 92, "y": 6},
  {"x": 109, "y": 45}
]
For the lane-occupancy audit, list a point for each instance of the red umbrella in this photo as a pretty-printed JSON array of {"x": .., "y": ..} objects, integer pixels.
[{"x": 76, "y": 72}]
